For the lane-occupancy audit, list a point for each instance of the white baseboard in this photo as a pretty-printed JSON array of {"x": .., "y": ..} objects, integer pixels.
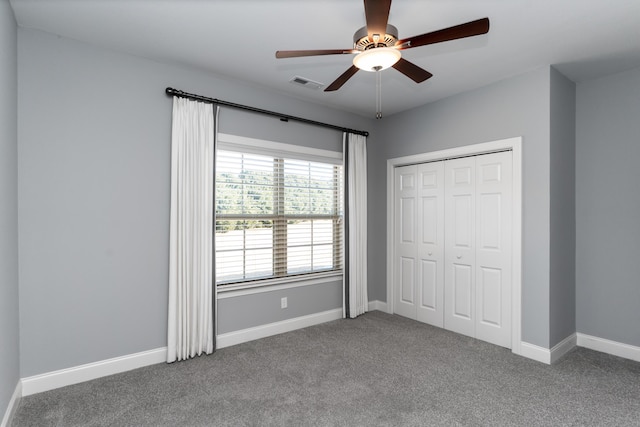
[
  {"x": 534, "y": 352},
  {"x": 91, "y": 371},
  {"x": 607, "y": 346},
  {"x": 377, "y": 305},
  {"x": 562, "y": 348},
  {"x": 14, "y": 402},
  {"x": 546, "y": 355},
  {"x": 263, "y": 331}
]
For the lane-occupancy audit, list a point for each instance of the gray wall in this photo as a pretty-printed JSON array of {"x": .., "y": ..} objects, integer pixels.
[
  {"x": 562, "y": 278},
  {"x": 301, "y": 301},
  {"x": 234, "y": 122},
  {"x": 608, "y": 207},
  {"x": 9, "y": 329},
  {"x": 94, "y": 158},
  {"x": 519, "y": 106}
]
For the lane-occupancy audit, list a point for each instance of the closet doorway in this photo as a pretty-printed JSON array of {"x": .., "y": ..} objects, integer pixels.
[{"x": 454, "y": 240}]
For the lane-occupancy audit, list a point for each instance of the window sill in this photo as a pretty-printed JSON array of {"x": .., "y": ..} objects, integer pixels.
[{"x": 241, "y": 289}]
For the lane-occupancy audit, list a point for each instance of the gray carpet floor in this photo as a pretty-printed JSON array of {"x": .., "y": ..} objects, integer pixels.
[{"x": 376, "y": 370}]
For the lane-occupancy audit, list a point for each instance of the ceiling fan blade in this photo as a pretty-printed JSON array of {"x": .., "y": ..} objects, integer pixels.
[
  {"x": 337, "y": 84},
  {"x": 377, "y": 14},
  {"x": 473, "y": 28},
  {"x": 412, "y": 71},
  {"x": 299, "y": 53}
]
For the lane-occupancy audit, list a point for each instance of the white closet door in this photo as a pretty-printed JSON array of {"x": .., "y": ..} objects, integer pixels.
[
  {"x": 460, "y": 305},
  {"x": 406, "y": 234},
  {"x": 430, "y": 245},
  {"x": 452, "y": 245},
  {"x": 493, "y": 248}
]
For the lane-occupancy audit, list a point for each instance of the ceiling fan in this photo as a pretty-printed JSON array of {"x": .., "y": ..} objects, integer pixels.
[{"x": 377, "y": 46}]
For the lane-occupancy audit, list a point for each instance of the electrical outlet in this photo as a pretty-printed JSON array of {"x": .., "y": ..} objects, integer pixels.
[{"x": 283, "y": 302}]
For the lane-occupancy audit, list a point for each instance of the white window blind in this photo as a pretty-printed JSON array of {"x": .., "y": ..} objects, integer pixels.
[{"x": 276, "y": 216}]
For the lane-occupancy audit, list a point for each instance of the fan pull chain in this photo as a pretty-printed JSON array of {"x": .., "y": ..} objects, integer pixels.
[{"x": 378, "y": 92}]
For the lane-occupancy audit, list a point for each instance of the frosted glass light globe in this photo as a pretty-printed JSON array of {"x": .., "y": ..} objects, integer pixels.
[{"x": 382, "y": 57}]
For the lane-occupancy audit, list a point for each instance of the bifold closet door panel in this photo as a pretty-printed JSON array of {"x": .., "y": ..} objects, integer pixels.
[
  {"x": 493, "y": 247},
  {"x": 453, "y": 245},
  {"x": 430, "y": 271},
  {"x": 460, "y": 224},
  {"x": 406, "y": 235}
]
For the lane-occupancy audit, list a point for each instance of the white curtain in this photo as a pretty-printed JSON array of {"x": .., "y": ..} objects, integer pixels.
[
  {"x": 191, "y": 286},
  {"x": 356, "y": 300}
]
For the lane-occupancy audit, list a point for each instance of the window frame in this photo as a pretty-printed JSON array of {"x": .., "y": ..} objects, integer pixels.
[{"x": 228, "y": 142}]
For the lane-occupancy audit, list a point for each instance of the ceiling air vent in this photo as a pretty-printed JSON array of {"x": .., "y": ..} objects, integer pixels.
[{"x": 306, "y": 83}]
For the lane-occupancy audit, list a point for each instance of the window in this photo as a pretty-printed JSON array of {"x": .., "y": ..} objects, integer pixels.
[{"x": 276, "y": 216}]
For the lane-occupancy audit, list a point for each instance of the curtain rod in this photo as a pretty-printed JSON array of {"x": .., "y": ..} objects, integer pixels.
[{"x": 284, "y": 117}]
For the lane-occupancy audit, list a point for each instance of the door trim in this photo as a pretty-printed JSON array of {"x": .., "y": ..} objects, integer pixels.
[{"x": 515, "y": 146}]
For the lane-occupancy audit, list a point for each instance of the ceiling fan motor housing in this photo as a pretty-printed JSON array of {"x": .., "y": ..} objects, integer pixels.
[{"x": 362, "y": 42}]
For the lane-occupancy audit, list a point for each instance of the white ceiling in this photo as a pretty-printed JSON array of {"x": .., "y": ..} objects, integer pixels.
[{"x": 584, "y": 39}]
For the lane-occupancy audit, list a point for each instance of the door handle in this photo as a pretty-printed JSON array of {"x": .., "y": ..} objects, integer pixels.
[
  {"x": 458, "y": 256},
  {"x": 430, "y": 253}
]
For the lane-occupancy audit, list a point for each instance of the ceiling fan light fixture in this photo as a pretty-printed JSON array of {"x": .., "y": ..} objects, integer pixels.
[{"x": 378, "y": 58}]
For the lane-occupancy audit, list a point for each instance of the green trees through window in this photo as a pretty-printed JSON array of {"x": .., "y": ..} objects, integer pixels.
[{"x": 276, "y": 217}]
